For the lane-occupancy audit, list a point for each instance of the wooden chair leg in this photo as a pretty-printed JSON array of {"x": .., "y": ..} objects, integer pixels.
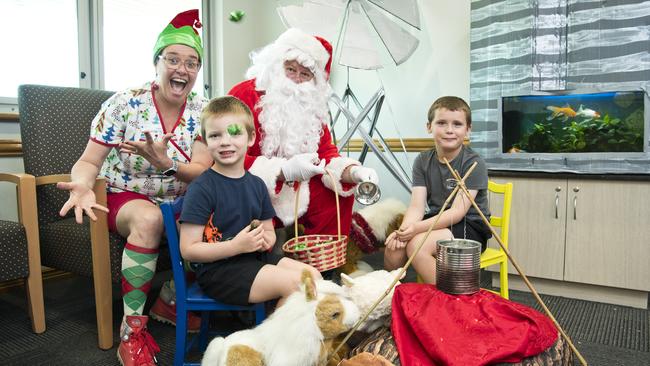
[
  {"x": 102, "y": 274},
  {"x": 34, "y": 287},
  {"x": 26, "y": 193}
]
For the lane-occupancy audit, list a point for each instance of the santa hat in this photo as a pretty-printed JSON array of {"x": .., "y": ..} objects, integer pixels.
[
  {"x": 369, "y": 224},
  {"x": 314, "y": 47},
  {"x": 181, "y": 30}
]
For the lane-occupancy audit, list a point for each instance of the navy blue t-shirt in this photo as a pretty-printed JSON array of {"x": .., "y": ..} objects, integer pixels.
[{"x": 235, "y": 202}]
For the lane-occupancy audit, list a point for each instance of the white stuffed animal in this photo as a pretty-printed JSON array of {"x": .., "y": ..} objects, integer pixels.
[
  {"x": 299, "y": 333},
  {"x": 366, "y": 290}
]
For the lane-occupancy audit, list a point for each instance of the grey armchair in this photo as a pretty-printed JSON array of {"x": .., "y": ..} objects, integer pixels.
[
  {"x": 19, "y": 248},
  {"x": 54, "y": 128}
]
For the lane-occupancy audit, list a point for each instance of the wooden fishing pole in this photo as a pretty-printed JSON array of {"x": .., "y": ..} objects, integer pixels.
[
  {"x": 461, "y": 184},
  {"x": 404, "y": 267}
]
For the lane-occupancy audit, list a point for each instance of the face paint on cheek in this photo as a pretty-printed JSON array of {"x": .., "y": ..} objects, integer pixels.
[{"x": 234, "y": 129}]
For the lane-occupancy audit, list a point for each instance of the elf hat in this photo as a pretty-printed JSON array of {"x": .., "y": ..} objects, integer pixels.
[
  {"x": 181, "y": 30},
  {"x": 316, "y": 48}
]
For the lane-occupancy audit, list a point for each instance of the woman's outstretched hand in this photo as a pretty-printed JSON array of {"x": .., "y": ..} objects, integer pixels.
[{"x": 82, "y": 199}]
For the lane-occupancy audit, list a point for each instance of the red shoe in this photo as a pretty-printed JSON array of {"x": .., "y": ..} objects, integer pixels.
[
  {"x": 166, "y": 313},
  {"x": 137, "y": 346}
]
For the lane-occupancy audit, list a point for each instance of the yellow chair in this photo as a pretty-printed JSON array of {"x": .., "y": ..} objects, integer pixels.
[{"x": 493, "y": 256}]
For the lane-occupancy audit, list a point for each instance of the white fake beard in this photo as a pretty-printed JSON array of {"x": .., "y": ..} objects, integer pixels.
[{"x": 292, "y": 116}]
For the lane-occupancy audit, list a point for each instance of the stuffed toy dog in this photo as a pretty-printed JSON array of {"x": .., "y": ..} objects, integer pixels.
[
  {"x": 299, "y": 333},
  {"x": 370, "y": 227}
]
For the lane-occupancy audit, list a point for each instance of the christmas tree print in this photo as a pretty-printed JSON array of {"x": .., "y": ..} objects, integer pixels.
[
  {"x": 148, "y": 185},
  {"x": 160, "y": 192},
  {"x": 134, "y": 103},
  {"x": 137, "y": 166},
  {"x": 136, "y": 188},
  {"x": 171, "y": 188},
  {"x": 100, "y": 122},
  {"x": 125, "y": 116},
  {"x": 191, "y": 124},
  {"x": 145, "y": 114},
  {"x": 150, "y": 169},
  {"x": 108, "y": 136},
  {"x": 138, "y": 92}
]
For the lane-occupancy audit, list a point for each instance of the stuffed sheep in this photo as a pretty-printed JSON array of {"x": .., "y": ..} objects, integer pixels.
[
  {"x": 366, "y": 290},
  {"x": 299, "y": 333}
]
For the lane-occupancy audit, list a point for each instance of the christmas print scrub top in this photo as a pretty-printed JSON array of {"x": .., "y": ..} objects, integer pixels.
[{"x": 124, "y": 117}]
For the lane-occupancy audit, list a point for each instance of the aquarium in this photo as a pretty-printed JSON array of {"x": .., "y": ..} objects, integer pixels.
[{"x": 575, "y": 123}]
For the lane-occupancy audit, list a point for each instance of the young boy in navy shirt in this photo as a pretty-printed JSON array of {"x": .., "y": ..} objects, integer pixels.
[{"x": 232, "y": 258}]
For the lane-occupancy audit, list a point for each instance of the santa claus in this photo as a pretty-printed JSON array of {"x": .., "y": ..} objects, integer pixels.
[{"x": 288, "y": 92}]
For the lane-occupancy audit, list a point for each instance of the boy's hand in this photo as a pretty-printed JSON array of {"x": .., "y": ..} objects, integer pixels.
[
  {"x": 249, "y": 240},
  {"x": 406, "y": 233},
  {"x": 393, "y": 242},
  {"x": 82, "y": 199}
]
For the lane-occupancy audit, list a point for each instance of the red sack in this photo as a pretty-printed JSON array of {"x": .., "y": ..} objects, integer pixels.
[{"x": 431, "y": 327}]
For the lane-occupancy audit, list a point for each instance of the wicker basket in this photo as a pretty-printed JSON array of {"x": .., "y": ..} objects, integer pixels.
[{"x": 323, "y": 252}]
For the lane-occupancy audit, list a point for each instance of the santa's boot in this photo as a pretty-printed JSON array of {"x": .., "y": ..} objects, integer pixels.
[
  {"x": 137, "y": 346},
  {"x": 164, "y": 309}
]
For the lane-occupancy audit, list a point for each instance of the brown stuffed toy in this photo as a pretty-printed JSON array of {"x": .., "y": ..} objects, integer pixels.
[{"x": 366, "y": 359}]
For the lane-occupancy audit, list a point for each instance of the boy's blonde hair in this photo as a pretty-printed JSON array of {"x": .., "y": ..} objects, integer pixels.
[
  {"x": 453, "y": 104},
  {"x": 224, "y": 105}
]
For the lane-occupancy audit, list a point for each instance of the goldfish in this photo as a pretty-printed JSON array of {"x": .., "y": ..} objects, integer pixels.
[
  {"x": 588, "y": 113},
  {"x": 514, "y": 150},
  {"x": 566, "y": 112}
]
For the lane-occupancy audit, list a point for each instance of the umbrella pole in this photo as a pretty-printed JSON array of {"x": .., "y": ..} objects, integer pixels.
[{"x": 461, "y": 184}]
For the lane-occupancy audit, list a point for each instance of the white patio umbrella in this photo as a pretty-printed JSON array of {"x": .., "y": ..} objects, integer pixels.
[{"x": 359, "y": 27}]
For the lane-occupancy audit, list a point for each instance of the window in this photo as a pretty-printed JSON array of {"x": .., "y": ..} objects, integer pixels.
[
  {"x": 130, "y": 32},
  {"x": 40, "y": 44}
]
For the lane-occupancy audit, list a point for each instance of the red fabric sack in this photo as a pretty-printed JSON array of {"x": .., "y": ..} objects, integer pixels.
[{"x": 431, "y": 327}]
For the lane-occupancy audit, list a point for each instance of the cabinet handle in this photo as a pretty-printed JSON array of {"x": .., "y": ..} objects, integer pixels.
[
  {"x": 557, "y": 200},
  {"x": 575, "y": 203}
]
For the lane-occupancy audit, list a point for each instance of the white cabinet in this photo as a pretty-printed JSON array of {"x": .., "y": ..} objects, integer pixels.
[{"x": 580, "y": 230}]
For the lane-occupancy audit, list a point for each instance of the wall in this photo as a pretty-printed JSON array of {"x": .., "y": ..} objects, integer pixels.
[{"x": 439, "y": 66}]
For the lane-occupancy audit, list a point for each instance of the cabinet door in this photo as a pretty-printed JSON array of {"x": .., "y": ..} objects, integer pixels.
[
  {"x": 537, "y": 226},
  {"x": 608, "y": 235}
]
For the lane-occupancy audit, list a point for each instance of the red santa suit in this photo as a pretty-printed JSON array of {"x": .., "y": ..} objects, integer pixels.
[{"x": 317, "y": 206}]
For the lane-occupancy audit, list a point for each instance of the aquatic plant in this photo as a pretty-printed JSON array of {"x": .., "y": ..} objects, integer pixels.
[{"x": 604, "y": 134}]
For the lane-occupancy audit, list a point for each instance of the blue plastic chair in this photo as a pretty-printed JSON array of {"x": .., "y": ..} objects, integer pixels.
[{"x": 191, "y": 298}]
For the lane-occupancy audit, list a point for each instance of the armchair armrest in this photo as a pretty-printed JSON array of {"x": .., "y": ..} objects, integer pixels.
[
  {"x": 27, "y": 216},
  {"x": 101, "y": 259}
]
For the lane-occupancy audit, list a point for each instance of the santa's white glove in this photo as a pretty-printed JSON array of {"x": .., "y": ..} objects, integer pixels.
[
  {"x": 302, "y": 167},
  {"x": 362, "y": 174}
]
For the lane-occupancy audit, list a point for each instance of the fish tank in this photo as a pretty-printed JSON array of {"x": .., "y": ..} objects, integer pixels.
[{"x": 589, "y": 124}]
